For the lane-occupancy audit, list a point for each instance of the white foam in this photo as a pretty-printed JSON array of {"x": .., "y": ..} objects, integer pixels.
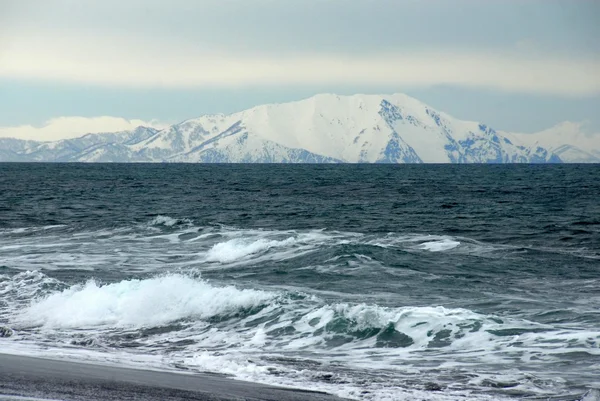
[
  {"x": 427, "y": 242},
  {"x": 439, "y": 245},
  {"x": 21, "y": 230},
  {"x": 21, "y": 288},
  {"x": 168, "y": 221},
  {"x": 241, "y": 367},
  {"x": 232, "y": 364},
  {"x": 415, "y": 322},
  {"x": 139, "y": 303},
  {"x": 238, "y": 248}
]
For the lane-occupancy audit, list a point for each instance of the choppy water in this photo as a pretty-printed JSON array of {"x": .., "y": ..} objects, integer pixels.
[{"x": 370, "y": 282}]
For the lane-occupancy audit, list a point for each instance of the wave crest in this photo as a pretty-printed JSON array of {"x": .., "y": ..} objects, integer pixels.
[
  {"x": 238, "y": 248},
  {"x": 168, "y": 221},
  {"x": 141, "y": 303}
]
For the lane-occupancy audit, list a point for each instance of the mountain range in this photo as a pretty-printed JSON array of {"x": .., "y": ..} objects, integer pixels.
[{"x": 325, "y": 128}]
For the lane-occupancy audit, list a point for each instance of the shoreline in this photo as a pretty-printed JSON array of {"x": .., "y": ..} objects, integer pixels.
[{"x": 48, "y": 379}]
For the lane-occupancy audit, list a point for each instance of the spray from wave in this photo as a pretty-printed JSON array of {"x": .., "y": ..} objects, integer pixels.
[{"x": 139, "y": 303}]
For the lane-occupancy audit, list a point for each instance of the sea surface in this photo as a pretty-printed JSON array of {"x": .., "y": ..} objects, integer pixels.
[{"x": 372, "y": 282}]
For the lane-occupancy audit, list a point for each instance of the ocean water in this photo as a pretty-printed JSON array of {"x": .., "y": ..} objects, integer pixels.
[{"x": 372, "y": 282}]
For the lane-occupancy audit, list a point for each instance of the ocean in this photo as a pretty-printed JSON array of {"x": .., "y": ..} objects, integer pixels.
[{"x": 371, "y": 282}]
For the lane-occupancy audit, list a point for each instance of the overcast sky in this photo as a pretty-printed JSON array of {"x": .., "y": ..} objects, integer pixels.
[{"x": 70, "y": 65}]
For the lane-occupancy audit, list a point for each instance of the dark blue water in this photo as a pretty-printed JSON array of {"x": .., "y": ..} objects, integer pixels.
[{"x": 371, "y": 282}]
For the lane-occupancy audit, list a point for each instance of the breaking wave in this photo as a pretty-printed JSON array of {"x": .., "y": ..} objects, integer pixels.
[
  {"x": 140, "y": 303},
  {"x": 290, "y": 319}
]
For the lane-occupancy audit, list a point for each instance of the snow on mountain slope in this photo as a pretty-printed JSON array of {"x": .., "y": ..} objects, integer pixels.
[
  {"x": 346, "y": 128},
  {"x": 327, "y": 127},
  {"x": 249, "y": 148},
  {"x": 179, "y": 138},
  {"x": 573, "y": 154},
  {"x": 15, "y": 150},
  {"x": 366, "y": 128},
  {"x": 88, "y": 148},
  {"x": 570, "y": 141},
  {"x": 322, "y": 129},
  {"x": 356, "y": 129}
]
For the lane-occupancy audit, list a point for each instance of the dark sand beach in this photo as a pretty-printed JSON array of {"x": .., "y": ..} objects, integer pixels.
[{"x": 38, "y": 378}]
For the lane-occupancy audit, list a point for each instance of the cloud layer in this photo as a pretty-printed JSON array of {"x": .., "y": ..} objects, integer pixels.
[
  {"x": 128, "y": 65},
  {"x": 548, "y": 48}
]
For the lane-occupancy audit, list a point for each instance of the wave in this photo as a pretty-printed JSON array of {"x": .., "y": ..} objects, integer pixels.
[
  {"x": 404, "y": 326},
  {"x": 167, "y": 221},
  {"x": 439, "y": 245},
  {"x": 37, "y": 300},
  {"x": 18, "y": 290},
  {"x": 292, "y": 320},
  {"x": 238, "y": 248},
  {"x": 25, "y": 231},
  {"x": 172, "y": 243},
  {"x": 140, "y": 303}
]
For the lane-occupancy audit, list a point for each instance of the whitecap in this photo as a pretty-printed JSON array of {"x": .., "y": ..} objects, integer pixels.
[
  {"x": 439, "y": 245},
  {"x": 238, "y": 248},
  {"x": 168, "y": 221},
  {"x": 139, "y": 303}
]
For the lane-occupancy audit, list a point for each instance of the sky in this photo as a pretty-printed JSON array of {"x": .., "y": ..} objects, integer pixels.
[{"x": 68, "y": 67}]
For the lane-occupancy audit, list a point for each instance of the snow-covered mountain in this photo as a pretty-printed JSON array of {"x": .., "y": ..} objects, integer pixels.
[
  {"x": 570, "y": 141},
  {"x": 322, "y": 129},
  {"x": 103, "y": 147}
]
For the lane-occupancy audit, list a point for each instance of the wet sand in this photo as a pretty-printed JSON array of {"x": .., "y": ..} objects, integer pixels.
[{"x": 46, "y": 379}]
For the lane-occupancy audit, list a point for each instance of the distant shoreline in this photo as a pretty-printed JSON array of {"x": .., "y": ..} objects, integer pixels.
[{"x": 46, "y": 379}]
